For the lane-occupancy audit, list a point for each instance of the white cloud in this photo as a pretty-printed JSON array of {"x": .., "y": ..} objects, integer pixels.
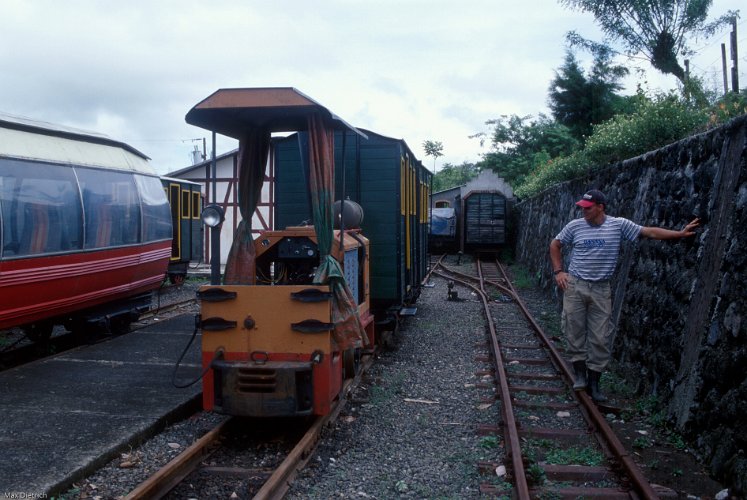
[{"x": 412, "y": 69}]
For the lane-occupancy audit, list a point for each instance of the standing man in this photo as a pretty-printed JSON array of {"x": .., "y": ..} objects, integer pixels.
[{"x": 587, "y": 303}]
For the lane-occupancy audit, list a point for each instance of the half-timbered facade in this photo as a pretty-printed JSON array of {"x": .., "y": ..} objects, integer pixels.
[{"x": 224, "y": 192}]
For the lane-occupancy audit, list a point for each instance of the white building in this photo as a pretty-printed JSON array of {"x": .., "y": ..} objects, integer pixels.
[{"x": 226, "y": 195}]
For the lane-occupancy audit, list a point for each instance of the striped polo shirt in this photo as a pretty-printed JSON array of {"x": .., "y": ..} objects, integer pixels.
[{"x": 595, "y": 248}]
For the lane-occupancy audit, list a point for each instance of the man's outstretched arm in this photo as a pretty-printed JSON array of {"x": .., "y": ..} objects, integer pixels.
[{"x": 659, "y": 233}]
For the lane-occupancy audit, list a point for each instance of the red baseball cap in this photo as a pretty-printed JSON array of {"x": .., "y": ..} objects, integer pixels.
[{"x": 592, "y": 198}]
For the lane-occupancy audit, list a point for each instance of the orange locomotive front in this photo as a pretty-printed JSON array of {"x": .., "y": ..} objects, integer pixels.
[{"x": 271, "y": 345}]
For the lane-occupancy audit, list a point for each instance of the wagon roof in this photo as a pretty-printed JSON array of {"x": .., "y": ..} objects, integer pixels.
[
  {"x": 24, "y": 124},
  {"x": 232, "y": 112}
]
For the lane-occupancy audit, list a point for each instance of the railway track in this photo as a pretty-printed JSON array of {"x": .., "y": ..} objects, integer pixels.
[
  {"x": 275, "y": 450},
  {"x": 558, "y": 440}
]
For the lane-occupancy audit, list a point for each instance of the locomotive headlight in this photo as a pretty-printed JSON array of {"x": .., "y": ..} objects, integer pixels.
[{"x": 213, "y": 215}]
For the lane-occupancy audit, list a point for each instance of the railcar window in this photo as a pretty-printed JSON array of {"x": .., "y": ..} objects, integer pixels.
[
  {"x": 156, "y": 211},
  {"x": 196, "y": 205},
  {"x": 112, "y": 212},
  {"x": 41, "y": 210},
  {"x": 185, "y": 204}
]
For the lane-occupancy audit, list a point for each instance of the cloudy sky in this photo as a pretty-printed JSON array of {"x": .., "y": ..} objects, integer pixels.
[{"x": 412, "y": 69}]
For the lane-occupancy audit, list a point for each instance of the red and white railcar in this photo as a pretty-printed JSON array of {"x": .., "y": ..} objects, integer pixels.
[{"x": 85, "y": 228}]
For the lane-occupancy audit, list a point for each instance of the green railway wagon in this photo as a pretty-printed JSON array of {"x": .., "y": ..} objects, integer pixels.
[
  {"x": 392, "y": 186},
  {"x": 185, "y": 200}
]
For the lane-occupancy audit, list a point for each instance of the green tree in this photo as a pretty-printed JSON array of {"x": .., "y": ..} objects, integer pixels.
[
  {"x": 519, "y": 145},
  {"x": 579, "y": 102},
  {"x": 657, "y": 29},
  {"x": 434, "y": 149},
  {"x": 454, "y": 175}
]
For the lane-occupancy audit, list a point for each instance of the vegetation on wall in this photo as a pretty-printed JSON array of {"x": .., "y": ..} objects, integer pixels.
[
  {"x": 592, "y": 124},
  {"x": 656, "y": 122},
  {"x": 531, "y": 161},
  {"x": 580, "y": 101}
]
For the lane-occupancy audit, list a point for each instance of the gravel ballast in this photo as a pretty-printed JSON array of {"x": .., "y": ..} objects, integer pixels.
[{"x": 412, "y": 429}]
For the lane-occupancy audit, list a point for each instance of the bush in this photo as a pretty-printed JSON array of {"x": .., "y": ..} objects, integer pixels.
[
  {"x": 655, "y": 123},
  {"x": 729, "y": 106}
]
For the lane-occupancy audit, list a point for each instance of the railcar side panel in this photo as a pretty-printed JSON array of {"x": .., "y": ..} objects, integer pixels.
[
  {"x": 380, "y": 198},
  {"x": 390, "y": 185},
  {"x": 57, "y": 286}
]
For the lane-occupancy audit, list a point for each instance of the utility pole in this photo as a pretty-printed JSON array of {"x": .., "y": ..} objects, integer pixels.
[
  {"x": 734, "y": 57},
  {"x": 723, "y": 68}
]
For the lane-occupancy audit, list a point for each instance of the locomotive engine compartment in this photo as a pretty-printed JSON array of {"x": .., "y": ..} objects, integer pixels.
[
  {"x": 292, "y": 260},
  {"x": 270, "y": 345}
]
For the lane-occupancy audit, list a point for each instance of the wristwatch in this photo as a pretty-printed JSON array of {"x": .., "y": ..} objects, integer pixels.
[{"x": 555, "y": 273}]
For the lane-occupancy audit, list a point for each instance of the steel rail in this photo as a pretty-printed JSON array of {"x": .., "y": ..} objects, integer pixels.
[
  {"x": 433, "y": 268},
  {"x": 166, "y": 308},
  {"x": 279, "y": 482},
  {"x": 159, "y": 484},
  {"x": 642, "y": 486},
  {"x": 511, "y": 428}
]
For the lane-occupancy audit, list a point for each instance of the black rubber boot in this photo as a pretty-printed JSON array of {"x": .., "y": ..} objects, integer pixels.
[
  {"x": 596, "y": 394},
  {"x": 579, "y": 369}
]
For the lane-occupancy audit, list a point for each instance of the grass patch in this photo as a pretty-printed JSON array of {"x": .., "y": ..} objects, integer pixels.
[
  {"x": 615, "y": 384},
  {"x": 498, "y": 296},
  {"x": 536, "y": 475},
  {"x": 642, "y": 443},
  {"x": 489, "y": 442},
  {"x": 522, "y": 277},
  {"x": 553, "y": 453},
  {"x": 649, "y": 409},
  {"x": 575, "y": 456}
]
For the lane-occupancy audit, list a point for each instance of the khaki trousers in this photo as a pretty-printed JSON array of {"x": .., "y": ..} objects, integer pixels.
[{"x": 586, "y": 322}]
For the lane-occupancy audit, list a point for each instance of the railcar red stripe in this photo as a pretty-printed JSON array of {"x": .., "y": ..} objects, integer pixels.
[
  {"x": 80, "y": 269},
  {"x": 106, "y": 294}
]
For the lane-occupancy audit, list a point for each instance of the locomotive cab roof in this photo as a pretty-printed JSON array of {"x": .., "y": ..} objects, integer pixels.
[{"x": 231, "y": 112}]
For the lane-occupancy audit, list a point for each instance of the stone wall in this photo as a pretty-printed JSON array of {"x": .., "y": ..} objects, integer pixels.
[{"x": 679, "y": 306}]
